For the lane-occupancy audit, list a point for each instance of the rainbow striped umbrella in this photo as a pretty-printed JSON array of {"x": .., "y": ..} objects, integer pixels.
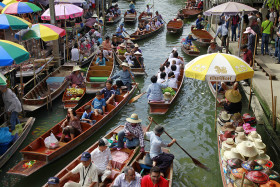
[
  {"x": 20, "y": 8},
  {"x": 12, "y": 53},
  {"x": 3, "y": 79},
  {"x": 15, "y": 23},
  {"x": 46, "y": 32},
  {"x": 7, "y": 2},
  {"x": 2, "y": 5}
]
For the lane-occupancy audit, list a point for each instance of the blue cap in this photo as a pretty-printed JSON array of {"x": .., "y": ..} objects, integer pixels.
[
  {"x": 122, "y": 24},
  {"x": 53, "y": 180},
  {"x": 85, "y": 156}
]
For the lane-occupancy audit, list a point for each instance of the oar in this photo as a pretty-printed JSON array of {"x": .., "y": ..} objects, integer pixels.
[
  {"x": 136, "y": 97},
  {"x": 195, "y": 161},
  {"x": 141, "y": 66},
  {"x": 134, "y": 81}
]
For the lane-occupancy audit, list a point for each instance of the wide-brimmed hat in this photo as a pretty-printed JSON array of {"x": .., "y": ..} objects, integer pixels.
[
  {"x": 254, "y": 135},
  {"x": 224, "y": 116},
  {"x": 247, "y": 149},
  {"x": 257, "y": 177},
  {"x": 129, "y": 41},
  {"x": 228, "y": 127},
  {"x": 137, "y": 53},
  {"x": 125, "y": 64},
  {"x": 271, "y": 174},
  {"x": 247, "y": 128},
  {"x": 228, "y": 144},
  {"x": 158, "y": 129},
  {"x": 270, "y": 183},
  {"x": 246, "y": 183},
  {"x": 238, "y": 172},
  {"x": 167, "y": 96},
  {"x": 174, "y": 49},
  {"x": 239, "y": 129},
  {"x": 259, "y": 144},
  {"x": 136, "y": 45},
  {"x": 251, "y": 165},
  {"x": 227, "y": 134},
  {"x": 76, "y": 68},
  {"x": 233, "y": 96},
  {"x": 262, "y": 156},
  {"x": 122, "y": 45},
  {"x": 235, "y": 163},
  {"x": 94, "y": 16},
  {"x": 233, "y": 153},
  {"x": 240, "y": 137},
  {"x": 133, "y": 118},
  {"x": 236, "y": 117}
]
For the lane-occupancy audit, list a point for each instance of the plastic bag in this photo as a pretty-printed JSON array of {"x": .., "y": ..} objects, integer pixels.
[
  {"x": 5, "y": 135},
  {"x": 51, "y": 142}
]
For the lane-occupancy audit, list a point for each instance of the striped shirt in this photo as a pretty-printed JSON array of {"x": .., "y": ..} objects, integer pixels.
[{"x": 136, "y": 131}]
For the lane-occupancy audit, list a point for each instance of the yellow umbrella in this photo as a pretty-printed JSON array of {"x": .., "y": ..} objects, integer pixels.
[{"x": 7, "y": 2}]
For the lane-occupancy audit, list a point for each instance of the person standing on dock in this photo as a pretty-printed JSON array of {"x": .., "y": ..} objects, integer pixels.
[
  {"x": 12, "y": 105},
  {"x": 266, "y": 29}
]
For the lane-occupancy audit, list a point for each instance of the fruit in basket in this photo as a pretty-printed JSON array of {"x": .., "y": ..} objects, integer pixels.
[
  {"x": 72, "y": 99},
  {"x": 75, "y": 91},
  {"x": 77, "y": 98}
]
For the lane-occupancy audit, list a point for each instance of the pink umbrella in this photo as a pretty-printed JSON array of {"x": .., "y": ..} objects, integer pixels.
[{"x": 64, "y": 11}]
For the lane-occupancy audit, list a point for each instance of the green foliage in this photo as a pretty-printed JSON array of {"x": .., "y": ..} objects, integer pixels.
[
  {"x": 273, "y": 3},
  {"x": 170, "y": 90}
]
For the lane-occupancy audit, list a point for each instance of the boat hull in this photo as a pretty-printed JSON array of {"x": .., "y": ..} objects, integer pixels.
[{"x": 135, "y": 37}]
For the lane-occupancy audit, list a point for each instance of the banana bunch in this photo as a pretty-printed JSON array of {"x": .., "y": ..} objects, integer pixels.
[{"x": 75, "y": 91}]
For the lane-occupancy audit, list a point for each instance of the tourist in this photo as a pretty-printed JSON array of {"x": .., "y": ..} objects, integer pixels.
[
  {"x": 167, "y": 67},
  {"x": 178, "y": 60},
  {"x": 161, "y": 69},
  {"x": 222, "y": 29},
  {"x": 129, "y": 178},
  {"x": 136, "y": 48},
  {"x": 98, "y": 104},
  {"x": 266, "y": 29},
  {"x": 172, "y": 83},
  {"x": 101, "y": 60},
  {"x": 138, "y": 60},
  {"x": 133, "y": 132},
  {"x": 76, "y": 54},
  {"x": 171, "y": 54},
  {"x": 251, "y": 17},
  {"x": 247, "y": 55},
  {"x": 117, "y": 11},
  {"x": 148, "y": 10},
  {"x": 234, "y": 24},
  {"x": 88, "y": 173},
  {"x": 102, "y": 159},
  {"x": 154, "y": 179},
  {"x": 214, "y": 48},
  {"x": 178, "y": 67},
  {"x": 200, "y": 5},
  {"x": 121, "y": 51},
  {"x": 53, "y": 182},
  {"x": 175, "y": 71},
  {"x": 198, "y": 23},
  {"x": 104, "y": 52},
  {"x": 131, "y": 7},
  {"x": 12, "y": 105},
  {"x": 128, "y": 55},
  {"x": 110, "y": 15},
  {"x": 273, "y": 18},
  {"x": 120, "y": 30},
  {"x": 115, "y": 42},
  {"x": 154, "y": 91},
  {"x": 71, "y": 125},
  {"x": 233, "y": 102},
  {"x": 76, "y": 78},
  {"x": 257, "y": 29},
  {"x": 162, "y": 78},
  {"x": 159, "y": 17},
  {"x": 86, "y": 117},
  {"x": 107, "y": 45},
  {"x": 109, "y": 93},
  {"x": 157, "y": 23},
  {"x": 251, "y": 39},
  {"x": 277, "y": 44},
  {"x": 141, "y": 28},
  {"x": 148, "y": 27},
  {"x": 125, "y": 76}
]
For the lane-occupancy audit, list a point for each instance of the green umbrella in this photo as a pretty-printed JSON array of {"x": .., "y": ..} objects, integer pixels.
[{"x": 3, "y": 80}]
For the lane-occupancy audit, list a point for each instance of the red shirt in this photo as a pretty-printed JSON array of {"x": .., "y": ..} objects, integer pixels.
[
  {"x": 248, "y": 56},
  {"x": 147, "y": 182}
]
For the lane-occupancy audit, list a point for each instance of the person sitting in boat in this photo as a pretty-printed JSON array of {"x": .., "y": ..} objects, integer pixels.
[
  {"x": 161, "y": 159},
  {"x": 171, "y": 54},
  {"x": 154, "y": 179},
  {"x": 102, "y": 159},
  {"x": 188, "y": 41},
  {"x": 71, "y": 126},
  {"x": 138, "y": 60},
  {"x": 115, "y": 42},
  {"x": 120, "y": 30},
  {"x": 101, "y": 60},
  {"x": 121, "y": 51},
  {"x": 154, "y": 91},
  {"x": 136, "y": 48},
  {"x": 157, "y": 23},
  {"x": 148, "y": 10},
  {"x": 98, "y": 104},
  {"x": 153, "y": 26},
  {"x": 110, "y": 15},
  {"x": 162, "y": 78},
  {"x": 76, "y": 54},
  {"x": 167, "y": 67},
  {"x": 117, "y": 11},
  {"x": 172, "y": 83},
  {"x": 133, "y": 132},
  {"x": 128, "y": 43},
  {"x": 159, "y": 17},
  {"x": 148, "y": 27},
  {"x": 141, "y": 28},
  {"x": 125, "y": 76},
  {"x": 87, "y": 171},
  {"x": 128, "y": 56},
  {"x": 214, "y": 48},
  {"x": 131, "y": 7},
  {"x": 53, "y": 182},
  {"x": 178, "y": 59},
  {"x": 12, "y": 105},
  {"x": 128, "y": 178},
  {"x": 109, "y": 92},
  {"x": 76, "y": 78},
  {"x": 161, "y": 69},
  {"x": 198, "y": 23},
  {"x": 174, "y": 70},
  {"x": 107, "y": 45},
  {"x": 86, "y": 117},
  {"x": 178, "y": 67},
  {"x": 233, "y": 103}
]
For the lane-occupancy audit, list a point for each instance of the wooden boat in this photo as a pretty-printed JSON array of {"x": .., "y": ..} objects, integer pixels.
[
  {"x": 135, "y": 37},
  {"x": 109, "y": 21},
  {"x": 67, "y": 96},
  {"x": 220, "y": 96},
  {"x": 163, "y": 107},
  {"x": 188, "y": 13},
  {"x": 136, "y": 71},
  {"x": 130, "y": 18},
  {"x": 47, "y": 90},
  {"x": 143, "y": 169},
  {"x": 117, "y": 168},
  {"x": 36, "y": 150},
  {"x": 97, "y": 75},
  {"x": 203, "y": 36},
  {"x": 175, "y": 26},
  {"x": 8, "y": 154},
  {"x": 144, "y": 16},
  {"x": 193, "y": 51}
]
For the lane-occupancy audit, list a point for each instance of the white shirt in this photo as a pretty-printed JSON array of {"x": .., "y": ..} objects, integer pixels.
[
  {"x": 170, "y": 56},
  {"x": 167, "y": 69},
  {"x": 101, "y": 159},
  {"x": 158, "y": 75},
  {"x": 121, "y": 182},
  {"x": 90, "y": 174},
  {"x": 75, "y": 54},
  {"x": 160, "y": 80},
  {"x": 148, "y": 10},
  {"x": 158, "y": 24},
  {"x": 155, "y": 144},
  {"x": 178, "y": 61},
  {"x": 172, "y": 83},
  {"x": 272, "y": 16},
  {"x": 11, "y": 102}
]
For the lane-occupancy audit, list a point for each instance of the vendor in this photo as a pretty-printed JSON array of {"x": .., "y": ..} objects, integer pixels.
[
  {"x": 233, "y": 102},
  {"x": 76, "y": 78}
]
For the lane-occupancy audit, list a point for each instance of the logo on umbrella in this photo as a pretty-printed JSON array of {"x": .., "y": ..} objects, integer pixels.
[
  {"x": 199, "y": 68},
  {"x": 241, "y": 68},
  {"x": 220, "y": 70}
]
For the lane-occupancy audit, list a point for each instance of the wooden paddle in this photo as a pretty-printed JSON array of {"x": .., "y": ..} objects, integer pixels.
[
  {"x": 195, "y": 161},
  {"x": 136, "y": 97},
  {"x": 134, "y": 81},
  {"x": 141, "y": 66}
]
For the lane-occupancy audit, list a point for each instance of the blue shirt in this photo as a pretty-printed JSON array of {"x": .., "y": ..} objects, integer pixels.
[
  {"x": 198, "y": 21},
  {"x": 97, "y": 104},
  {"x": 86, "y": 115},
  {"x": 108, "y": 93},
  {"x": 131, "y": 6},
  {"x": 189, "y": 40},
  {"x": 101, "y": 62},
  {"x": 119, "y": 31},
  {"x": 154, "y": 91},
  {"x": 124, "y": 76}
]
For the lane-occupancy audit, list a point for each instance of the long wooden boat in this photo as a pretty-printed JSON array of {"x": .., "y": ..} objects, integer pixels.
[
  {"x": 163, "y": 107},
  {"x": 138, "y": 167},
  {"x": 109, "y": 21},
  {"x": 188, "y": 13},
  {"x": 175, "y": 26},
  {"x": 71, "y": 100},
  {"x": 97, "y": 75},
  {"x": 117, "y": 168},
  {"x": 26, "y": 129},
  {"x": 144, "y": 16},
  {"x": 130, "y": 18},
  {"x": 47, "y": 90},
  {"x": 135, "y": 37},
  {"x": 136, "y": 71},
  {"x": 83, "y": 63},
  {"x": 203, "y": 36},
  {"x": 36, "y": 150},
  {"x": 193, "y": 51}
]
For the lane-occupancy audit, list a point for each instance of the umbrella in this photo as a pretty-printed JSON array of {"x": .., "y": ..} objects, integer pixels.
[
  {"x": 2, "y": 5},
  {"x": 64, "y": 11},
  {"x": 229, "y": 8},
  {"x": 9, "y": 21},
  {"x": 46, "y": 32},
  {"x": 218, "y": 67},
  {"x": 7, "y": 2},
  {"x": 3, "y": 79},
  {"x": 21, "y": 8},
  {"x": 12, "y": 52},
  {"x": 70, "y": 1}
]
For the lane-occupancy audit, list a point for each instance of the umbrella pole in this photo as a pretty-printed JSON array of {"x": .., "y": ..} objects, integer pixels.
[
  {"x": 216, "y": 96},
  {"x": 241, "y": 33},
  {"x": 272, "y": 100},
  {"x": 34, "y": 74},
  {"x": 78, "y": 46},
  {"x": 275, "y": 118},
  {"x": 250, "y": 96}
]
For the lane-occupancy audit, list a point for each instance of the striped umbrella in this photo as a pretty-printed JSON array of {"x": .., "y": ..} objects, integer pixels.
[
  {"x": 3, "y": 79},
  {"x": 2, "y": 5},
  {"x": 15, "y": 23},
  {"x": 12, "y": 53},
  {"x": 7, "y": 2},
  {"x": 46, "y": 32},
  {"x": 20, "y": 8}
]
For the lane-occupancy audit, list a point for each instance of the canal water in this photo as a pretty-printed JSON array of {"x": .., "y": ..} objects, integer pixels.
[{"x": 190, "y": 120}]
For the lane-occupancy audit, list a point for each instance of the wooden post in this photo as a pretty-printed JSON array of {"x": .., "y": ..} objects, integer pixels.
[
  {"x": 21, "y": 81},
  {"x": 275, "y": 114},
  {"x": 34, "y": 73},
  {"x": 241, "y": 33},
  {"x": 216, "y": 96},
  {"x": 227, "y": 42},
  {"x": 97, "y": 7},
  {"x": 272, "y": 100},
  {"x": 110, "y": 3},
  {"x": 50, "y": 97}
]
